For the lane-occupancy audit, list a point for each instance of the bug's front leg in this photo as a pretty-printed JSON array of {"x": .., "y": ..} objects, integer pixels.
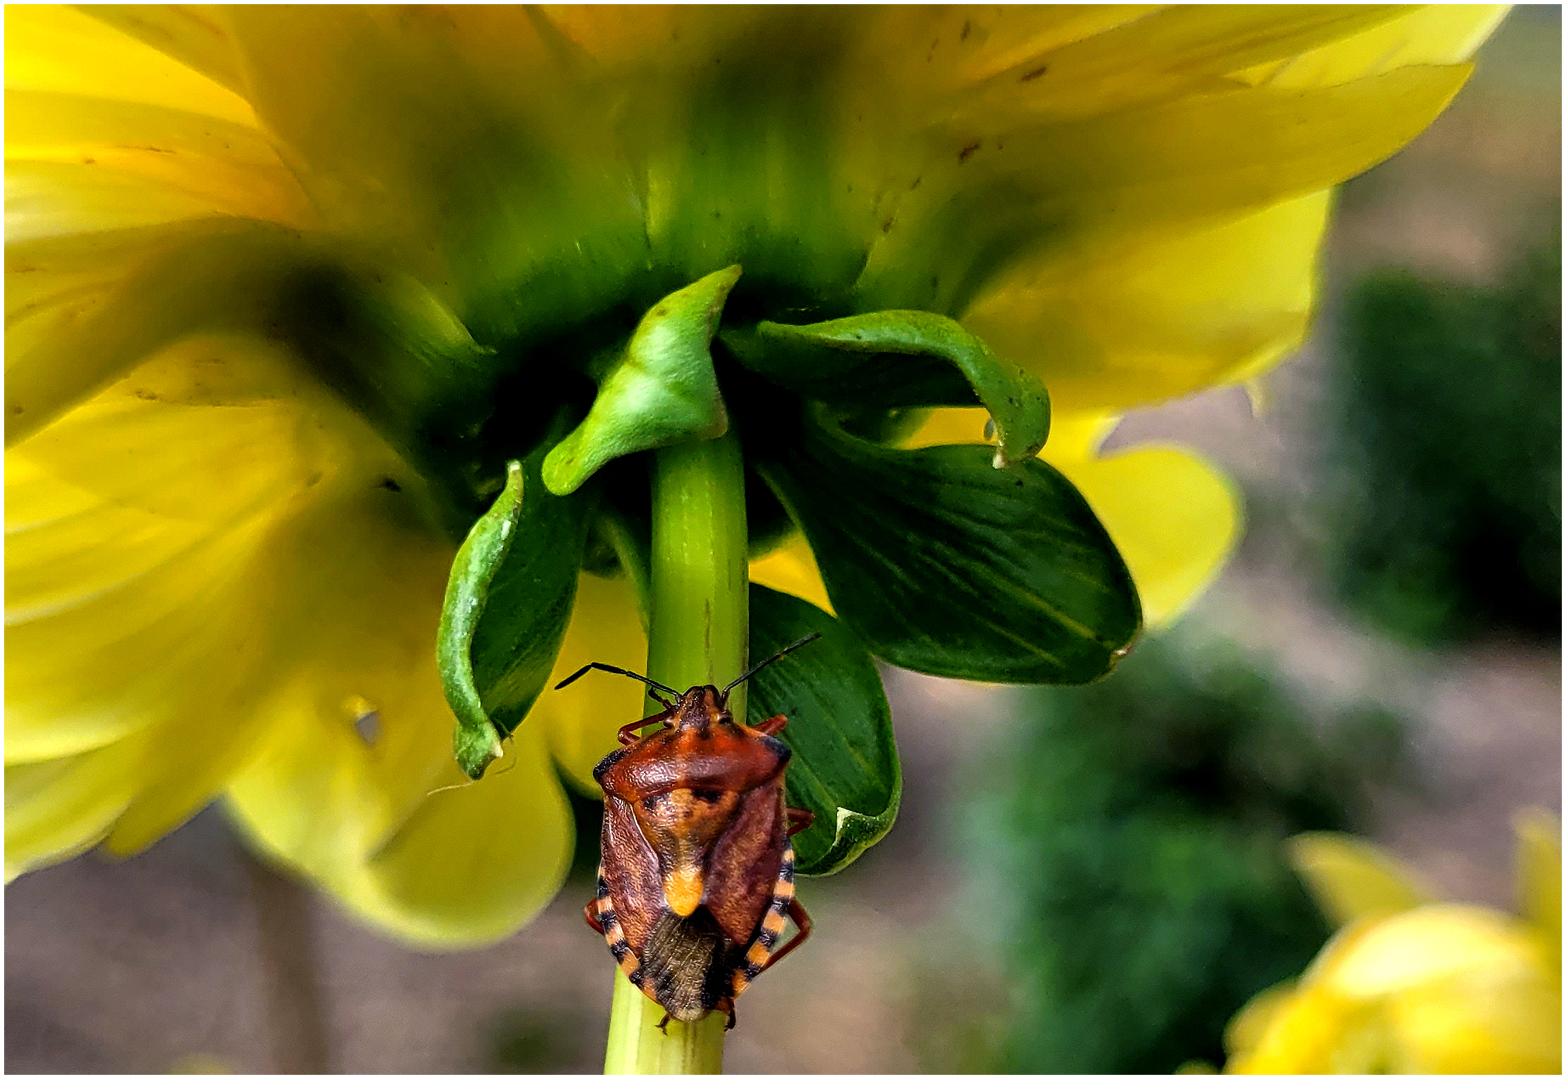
[
  {"x": 772, "y": 725},
  {"x": 628, "y": 732},
  {"x": 799, "y": 820}
]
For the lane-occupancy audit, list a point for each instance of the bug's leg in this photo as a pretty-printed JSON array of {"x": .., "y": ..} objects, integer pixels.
[
  {"x": 628, "y": 733},
  {"x": 771, "y": 726},
  {"x": 799, "y": 820},
  {"x": 663, "y": 1025},
  {"x": 727, "y": 1007},
  {"x": 590, "y": 912},
  {"x": 803, "y": 922}
]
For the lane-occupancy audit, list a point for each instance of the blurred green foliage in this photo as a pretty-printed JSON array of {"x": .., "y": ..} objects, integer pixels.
[
  {"x": 1140, "y": 895},
  {"x": 1445, "y": 454}
]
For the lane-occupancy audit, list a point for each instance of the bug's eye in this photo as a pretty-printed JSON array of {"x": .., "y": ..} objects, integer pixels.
[{"x": 707, "y": 795}]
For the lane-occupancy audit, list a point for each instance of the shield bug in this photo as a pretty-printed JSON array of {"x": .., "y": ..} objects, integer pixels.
[{"x": 696, "y": 872}]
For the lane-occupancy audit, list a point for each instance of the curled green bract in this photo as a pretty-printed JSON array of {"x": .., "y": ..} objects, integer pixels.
[
  {"x": 661, "y": 390},
  {"x": 475, "y": 741},
  {"x": 899, "y": 359}
]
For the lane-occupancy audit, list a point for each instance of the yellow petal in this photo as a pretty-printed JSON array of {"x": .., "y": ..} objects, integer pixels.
[
  {"x": 1084, "y": 184},
  {"x": 1429, "y": 34},
  {"x": 1351, "y": 879},
  {"x": 1485, "y": 1021},
  {"x": 57, "y": 809},
  {"x": 467, "y": 866},
  {"x": 1173, "y": 517},
  {"x": 1539, "y": 874},
  {"x": 580, "y": 721},
  {"x": 128, "y": 571},
  {"x": 1428, "y": 944},
  {"x": 1246, "y": 1028},
  {"x": 359, "y": 739},
  {"x": 1127, "y": 323},
  {"x": 80, "y": 164},
  {"x": 192, "y": 34},
  {"x": 56, "y": 49},
  {"x": 1312, "y": 1031},
  {"x": 791, "y": 568}
]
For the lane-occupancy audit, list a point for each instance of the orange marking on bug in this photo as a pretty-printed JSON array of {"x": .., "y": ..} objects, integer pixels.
[
  {"x": 683, "y": 889},
  {"x": 774, "y": 922}
]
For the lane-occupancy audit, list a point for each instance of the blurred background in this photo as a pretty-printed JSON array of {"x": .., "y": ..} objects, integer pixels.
[{"x": 1082, "y": 880}]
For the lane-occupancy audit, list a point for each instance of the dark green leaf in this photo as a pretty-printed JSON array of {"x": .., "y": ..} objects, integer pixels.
[
  {"x": 948, "y": 566},
  {"x": 900, "y": 359},
  {"x": 507, "y": 605},
  {"x": 845, "y": 765},
  {"x": 661, "y": 390}
]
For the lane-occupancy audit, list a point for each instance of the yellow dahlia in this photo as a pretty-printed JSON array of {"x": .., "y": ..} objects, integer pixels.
[{"x": 287, "y": 286}]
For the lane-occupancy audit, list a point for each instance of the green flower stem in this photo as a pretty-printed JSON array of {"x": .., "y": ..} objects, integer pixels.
[{"x": 699, "y": 632}]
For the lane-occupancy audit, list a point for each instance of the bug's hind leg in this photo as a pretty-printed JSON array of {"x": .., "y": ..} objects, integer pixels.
[
  {"x": 590, "y": 913},
  {"x": 799, "y": 820},
  {"x": 803, "y": 922}
]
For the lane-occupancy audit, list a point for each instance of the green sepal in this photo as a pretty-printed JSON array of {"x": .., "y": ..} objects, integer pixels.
[
  {"x": 475, "y": 741},
  {"x": 899, "y": 360},
  {"x": 508, "y": 603},
  {"x": 659, "y": 391},
  {"x": 947, "y": 566},
  {"x": 845, "y": 766}
]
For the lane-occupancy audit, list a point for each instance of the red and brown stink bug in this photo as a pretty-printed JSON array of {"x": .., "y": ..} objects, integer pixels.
[{"x": 696, "y": 873}]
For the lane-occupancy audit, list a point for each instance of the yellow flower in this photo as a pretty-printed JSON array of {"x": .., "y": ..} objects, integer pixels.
[
  {"x": 225, "y": 554},
  {"x": 1414, "y": 985}
]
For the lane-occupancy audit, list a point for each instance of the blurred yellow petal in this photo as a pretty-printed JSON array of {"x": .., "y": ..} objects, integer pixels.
[
  {"x": 1432, "y": 942},
  {"x": 193, "y": 34},
  {"x": 467, "y": 865},
  {"x": 1128, "y": 324},
  {"x": 128, "y": 571},
  {"x": 1428, "y": 34},
  {"x": 1118, "y": 180},
  {"x": 580, "y": 721},
  {"x": 1310, "y": 1031},
  {"x": 60, "y": 808},
  {"x": 360, "y": 738},
  {"x": 78, "y": 164},
  {"x": 1491, "y": 1020},
  {"x": 1245, "y": 1029},
  {"x": 1173, "y": 517},
  {"x": 1352, "y": 879},
  {"x": 56, "y": 49},
  {"x": 1539, "y": 874}
]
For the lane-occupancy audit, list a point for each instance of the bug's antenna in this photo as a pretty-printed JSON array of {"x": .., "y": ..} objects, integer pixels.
[
  {"x": 622, "y": 671},
  {"x": 806, "y": 640}
]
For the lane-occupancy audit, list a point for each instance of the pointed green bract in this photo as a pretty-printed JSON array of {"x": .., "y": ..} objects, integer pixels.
[
  {"x": 945, "y": 565},
  {"x": 899, "y": 359},
  {"x": 845, "y": 766},
  {"x": 508, "y": 602},
  {"x": 475, "y": 741},
  {"x": 660, "y": 391}
]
